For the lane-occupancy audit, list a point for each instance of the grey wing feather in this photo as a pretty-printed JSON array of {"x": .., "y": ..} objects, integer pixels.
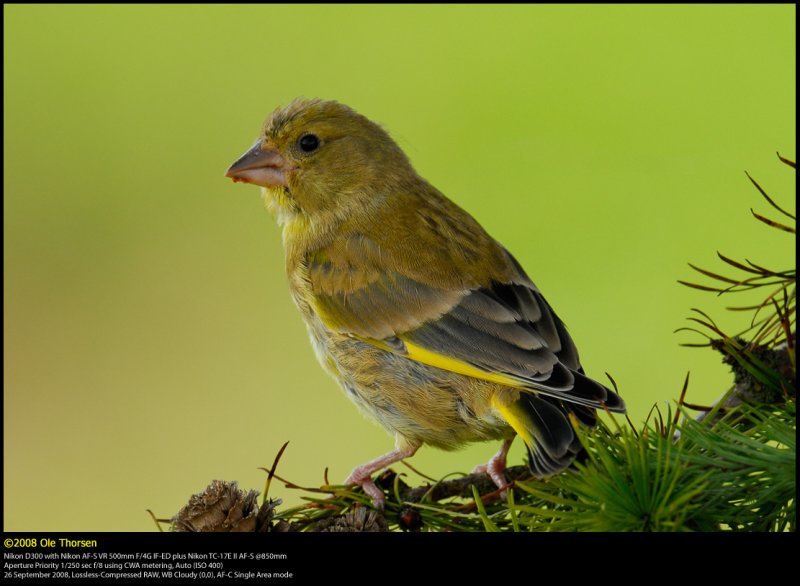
[{"x": 510, "y": 329}]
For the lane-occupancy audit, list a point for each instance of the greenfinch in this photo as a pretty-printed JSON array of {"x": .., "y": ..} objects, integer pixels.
[{"x": 429, "y": 324}]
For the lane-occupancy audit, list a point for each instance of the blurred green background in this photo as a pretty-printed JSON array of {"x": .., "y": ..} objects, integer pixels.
[{"x": 150, "y": 341}]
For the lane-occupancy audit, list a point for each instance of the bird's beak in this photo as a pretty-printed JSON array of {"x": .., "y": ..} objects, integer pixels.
[{"x": 260, "y": 165}]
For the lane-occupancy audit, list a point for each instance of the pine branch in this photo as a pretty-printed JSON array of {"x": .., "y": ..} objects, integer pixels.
[{"x": 749, "y": 389}]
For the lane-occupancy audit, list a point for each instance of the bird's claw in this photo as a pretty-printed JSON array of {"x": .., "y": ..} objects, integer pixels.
[{"x": 369, "y": 487}]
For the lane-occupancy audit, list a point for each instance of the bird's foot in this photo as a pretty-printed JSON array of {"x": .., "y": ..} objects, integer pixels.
[
  {"x": 363, "y": 478},
  {"x": 362, "y": 475},
  {"x": 480, "y": 469},
  {"x": 496, "y": 468}
]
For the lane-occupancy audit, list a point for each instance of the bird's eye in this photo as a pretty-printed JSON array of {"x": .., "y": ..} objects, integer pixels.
[{"x": 308, "y": 143}]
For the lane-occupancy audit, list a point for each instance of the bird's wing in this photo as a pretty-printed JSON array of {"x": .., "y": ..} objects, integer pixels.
[{"x": 503, "y": 332}]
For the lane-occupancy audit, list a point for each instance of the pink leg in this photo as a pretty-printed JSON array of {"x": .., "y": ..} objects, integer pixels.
[
  {"x": 497, "y": 465},
  {"x": 362, "y": 475}
]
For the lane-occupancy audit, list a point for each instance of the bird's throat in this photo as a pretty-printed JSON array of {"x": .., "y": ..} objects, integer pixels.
[{"x": 279, "y": 202}]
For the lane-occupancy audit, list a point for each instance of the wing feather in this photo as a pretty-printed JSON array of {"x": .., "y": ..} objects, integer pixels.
[{"x": 503, "y": 331}]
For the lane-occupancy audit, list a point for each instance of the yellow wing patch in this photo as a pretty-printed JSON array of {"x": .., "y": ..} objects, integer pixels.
[
  {"x": 425, "y": 356},
  {"x": 516, "y": 418}
]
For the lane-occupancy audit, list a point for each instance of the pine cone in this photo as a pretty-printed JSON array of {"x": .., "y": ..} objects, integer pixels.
[
  {"x": 359, "y": 519},
  {"x": 221, "y": 507}
]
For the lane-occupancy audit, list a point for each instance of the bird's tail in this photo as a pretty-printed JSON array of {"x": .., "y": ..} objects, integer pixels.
[{"x": 544, "y": 425}]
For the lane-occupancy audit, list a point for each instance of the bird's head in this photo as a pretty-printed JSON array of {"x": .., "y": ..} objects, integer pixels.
[{"x": 321, "y": 159}]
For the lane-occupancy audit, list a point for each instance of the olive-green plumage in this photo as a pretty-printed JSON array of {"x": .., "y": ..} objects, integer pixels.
[{"x": 426, "y": 321}]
